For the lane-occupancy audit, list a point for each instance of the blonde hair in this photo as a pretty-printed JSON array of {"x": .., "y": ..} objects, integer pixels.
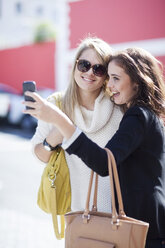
[{"x": 103, "y": 50}]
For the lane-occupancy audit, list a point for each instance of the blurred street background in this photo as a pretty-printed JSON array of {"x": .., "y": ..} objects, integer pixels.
[
  {"x": 38, "y": 39},
  {"x": 22, "y": 222}
]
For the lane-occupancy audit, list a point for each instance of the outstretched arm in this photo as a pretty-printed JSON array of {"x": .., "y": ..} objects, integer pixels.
[
  {"x": 48, "y": 112},
  {"x": 127, "y": 139}
]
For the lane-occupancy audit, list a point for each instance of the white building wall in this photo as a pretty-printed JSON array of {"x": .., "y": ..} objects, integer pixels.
[
  {"x": 19, "y": 18},
  {"x": 62, "y": 47},
  {"x": 17, "y": 25}
]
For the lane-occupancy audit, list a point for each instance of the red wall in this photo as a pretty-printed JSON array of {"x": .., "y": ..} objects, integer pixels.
[
  {"x": 113, "y": 20},
  {"x": 34, "y": 62},
  {"x": 117, "y": 21}
]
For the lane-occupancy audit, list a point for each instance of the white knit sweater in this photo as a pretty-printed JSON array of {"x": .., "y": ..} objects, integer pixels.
[{"x": 99, "y": 125}]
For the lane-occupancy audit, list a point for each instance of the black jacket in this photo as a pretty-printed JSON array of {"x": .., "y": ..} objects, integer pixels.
[{"x": 139, "y": 150}]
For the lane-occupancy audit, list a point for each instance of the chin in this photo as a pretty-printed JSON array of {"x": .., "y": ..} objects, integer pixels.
[{"x": 118, "y": 103}]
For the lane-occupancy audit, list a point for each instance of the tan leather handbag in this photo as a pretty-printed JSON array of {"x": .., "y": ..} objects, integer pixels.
[{"x": 93, "y": 229}]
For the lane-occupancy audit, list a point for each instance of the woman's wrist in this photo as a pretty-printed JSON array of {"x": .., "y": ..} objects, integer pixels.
[
  {"x": 51, "y": 141},
  {"x": 67, "y": 142},
  {"x": 48, "y": 147}
]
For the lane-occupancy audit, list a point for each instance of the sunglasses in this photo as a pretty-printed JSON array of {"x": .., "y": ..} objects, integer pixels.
[{"x": 98, "y": 69}]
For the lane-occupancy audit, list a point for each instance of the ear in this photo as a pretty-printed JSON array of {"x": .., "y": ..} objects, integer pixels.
[{"x": 135, "y": 87}]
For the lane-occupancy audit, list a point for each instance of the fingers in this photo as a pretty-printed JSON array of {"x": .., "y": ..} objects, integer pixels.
[
  {"x": 34, "y": 95},
  {"x": 35, "y": 105},
  {"x": 31, "y": 105},
  {"x": 31, "y": 112},
  {"x": 42, "y": 109}
]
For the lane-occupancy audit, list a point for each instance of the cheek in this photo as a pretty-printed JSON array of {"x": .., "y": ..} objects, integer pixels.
[
  {"x": 122, "y": 88},
  {"x": 131, "y": 93},
  {"x": 76, "y": 75},
  {"x": 101, "y": 81}
]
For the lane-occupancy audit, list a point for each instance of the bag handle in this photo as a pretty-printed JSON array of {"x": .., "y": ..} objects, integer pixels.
[
  {"x": 117, "y": 182},
  {"x": 94, "y": 207},
  {"x": 114, "y": 178},
  {"x": 59, "y": 234},
  {"x": 113, "y": 174}
]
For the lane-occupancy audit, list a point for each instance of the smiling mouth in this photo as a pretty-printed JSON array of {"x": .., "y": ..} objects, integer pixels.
[
  {"x": 88, "y": 79},
  {"x": 115, "y": 93}
]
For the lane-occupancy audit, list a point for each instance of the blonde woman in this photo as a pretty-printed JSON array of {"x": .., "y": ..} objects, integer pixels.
[{"x": 89, "y": 107}]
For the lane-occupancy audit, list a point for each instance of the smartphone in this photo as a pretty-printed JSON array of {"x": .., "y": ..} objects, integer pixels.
[{"x": 29, "y": 86}]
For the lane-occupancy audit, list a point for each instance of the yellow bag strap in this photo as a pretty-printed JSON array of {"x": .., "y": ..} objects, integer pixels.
[
  {"x": 59, "y": 235},
  {"x": 58, "y": 99}
]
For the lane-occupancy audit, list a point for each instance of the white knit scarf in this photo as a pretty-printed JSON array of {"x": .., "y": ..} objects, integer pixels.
[{"x": 99, "y": 125}]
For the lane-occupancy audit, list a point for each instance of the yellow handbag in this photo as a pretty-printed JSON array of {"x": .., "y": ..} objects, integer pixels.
[{"x": 54, "y": 194}]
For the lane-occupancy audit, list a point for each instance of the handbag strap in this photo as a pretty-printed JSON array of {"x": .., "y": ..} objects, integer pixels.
[
  {"x": 113, "y": 174},
  {"x": 59, "y": 235},
  {"x": 94, "y": 206},
  {"x": 89, "y": 194},
  {"x": 53, "y": 202},
  {"x": 117, "y": 183}
]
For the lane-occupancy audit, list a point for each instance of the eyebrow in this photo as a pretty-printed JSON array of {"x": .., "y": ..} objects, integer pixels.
[{"x": 113, "y": 74}]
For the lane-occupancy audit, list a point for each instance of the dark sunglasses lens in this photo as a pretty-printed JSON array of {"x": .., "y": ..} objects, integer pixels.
[
  {"x": 99, "y": 70},
  {"x": 83, "y": 65}
]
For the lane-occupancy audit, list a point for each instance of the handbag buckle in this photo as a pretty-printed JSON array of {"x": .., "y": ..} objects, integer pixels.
[
  {"x": 85, "y": 217},
  {"x": 52, "y": 180},
  {"x": 115, "y": 224}
]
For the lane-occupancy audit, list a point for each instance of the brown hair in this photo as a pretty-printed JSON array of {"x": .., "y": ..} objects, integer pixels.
[{"x": 147, "y": 72}]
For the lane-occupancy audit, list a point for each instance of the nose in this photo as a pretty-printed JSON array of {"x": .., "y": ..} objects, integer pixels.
[
  {"x": 90, "y": 71},
  {"x": 110, "y": 84}
]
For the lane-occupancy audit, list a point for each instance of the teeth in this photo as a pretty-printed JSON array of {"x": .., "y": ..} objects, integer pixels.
[
  {"x": 111, "y": 93},
  {"x": 87, "y": 79}
]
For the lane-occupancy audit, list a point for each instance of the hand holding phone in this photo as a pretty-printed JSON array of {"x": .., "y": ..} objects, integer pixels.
[{"x": 29, "y": 86}]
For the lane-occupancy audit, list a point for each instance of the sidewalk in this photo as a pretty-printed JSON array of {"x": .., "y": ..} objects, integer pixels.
[
  {"x": 22, "y": 223},
  {"x": 18, "y": 230}
]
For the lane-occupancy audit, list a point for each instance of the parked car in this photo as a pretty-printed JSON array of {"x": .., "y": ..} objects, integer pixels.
[
  {"x": 5, "y": 94},
  {"x": 11, "y": 107},
  {"x": 4, "y": 106}
]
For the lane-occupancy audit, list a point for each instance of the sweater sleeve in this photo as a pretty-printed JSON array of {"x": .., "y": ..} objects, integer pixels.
[
  {"x": 43, "y": 128},
  {"x": 126, "y": 140}
]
